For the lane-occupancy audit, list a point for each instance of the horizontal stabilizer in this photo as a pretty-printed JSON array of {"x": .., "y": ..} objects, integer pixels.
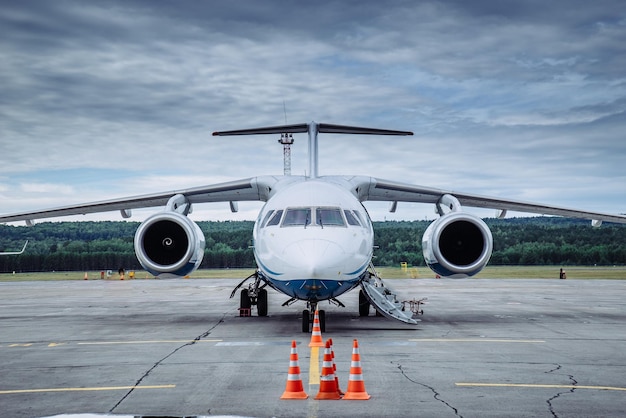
[
  {"x": 341, "y": 129},
  {"x": 283, "y": 129},
  {"x": 317, "y": 127},
  {"x": 313, "y": 129}
]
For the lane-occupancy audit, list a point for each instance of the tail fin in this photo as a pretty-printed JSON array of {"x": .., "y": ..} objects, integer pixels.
[{"x": 313, "y": 129}]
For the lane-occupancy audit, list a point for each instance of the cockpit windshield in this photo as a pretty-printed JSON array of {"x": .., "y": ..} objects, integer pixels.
[
  {"x": 297, "y": 217},
  {"x": 329, "y": 217},
  {"x": 322, "y": 216}
]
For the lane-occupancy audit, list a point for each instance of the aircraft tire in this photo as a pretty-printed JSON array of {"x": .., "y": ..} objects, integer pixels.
[
  {"x": 261, "y": 303},
  {"x": 306, "y": 320},
  {"x": 322, "y": 318},
  {"x": 244, "y": 300},
  {"x": 364, "y": 304}
]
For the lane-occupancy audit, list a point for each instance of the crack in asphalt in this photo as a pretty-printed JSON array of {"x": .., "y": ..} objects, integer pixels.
[
  {"x": 436, "y": 395},
  {"x": 549, "y": 401},
  {"x": 158, "y": 363}
]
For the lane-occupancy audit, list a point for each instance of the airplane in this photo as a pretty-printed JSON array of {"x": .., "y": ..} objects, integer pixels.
[{"x": 313, "y": 238}]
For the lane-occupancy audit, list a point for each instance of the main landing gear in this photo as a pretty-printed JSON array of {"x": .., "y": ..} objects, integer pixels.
[{"x": 254, "y": 294}]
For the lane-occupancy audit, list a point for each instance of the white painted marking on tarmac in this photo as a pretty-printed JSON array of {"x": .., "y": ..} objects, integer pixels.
[{"x": 250, "y": 343}]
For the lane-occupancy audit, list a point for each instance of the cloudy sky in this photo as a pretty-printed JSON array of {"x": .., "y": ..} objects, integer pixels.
[{"x": 519, "y": 99}]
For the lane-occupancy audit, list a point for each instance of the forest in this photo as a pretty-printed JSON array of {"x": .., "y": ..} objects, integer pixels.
[{"x": 90, "y": 246}]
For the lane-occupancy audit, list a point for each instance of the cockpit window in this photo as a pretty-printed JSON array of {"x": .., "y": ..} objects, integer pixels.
[
  {"x": 297, "y": 217},
  {"x": 352, "y": 220},
  {"x": 275, "y": 220},
  {"x": 365, "y": 222},
  {"x": 266, "y": 218},
  {"x": 329, "y": 217},
  {"x": 318, "y": 216}
]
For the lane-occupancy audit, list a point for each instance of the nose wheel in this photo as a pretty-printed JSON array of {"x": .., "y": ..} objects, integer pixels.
[{"x": 309, "y": 315}]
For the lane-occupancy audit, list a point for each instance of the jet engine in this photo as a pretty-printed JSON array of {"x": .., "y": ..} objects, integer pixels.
[
  {"x": 457, "y": 245},
  {"x": 168, "y": 244}
]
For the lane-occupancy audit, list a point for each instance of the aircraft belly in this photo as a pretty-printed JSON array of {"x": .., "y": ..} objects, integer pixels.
[{"x": 312, "y": 289}]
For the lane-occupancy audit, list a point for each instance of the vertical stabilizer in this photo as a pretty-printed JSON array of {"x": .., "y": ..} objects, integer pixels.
[{"x": 313, "y": 150}]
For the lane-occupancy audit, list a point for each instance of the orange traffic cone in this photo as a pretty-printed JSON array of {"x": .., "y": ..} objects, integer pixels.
[
  {"x": 316, "y": 336},
  {"x": 332, "y": 354},
  {"x": 294, "y": 388},
  {"x": 328, "y": 385},
  {"x": 356, "y": 386}
]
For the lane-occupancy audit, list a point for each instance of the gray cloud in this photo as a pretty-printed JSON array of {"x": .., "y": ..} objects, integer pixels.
[{"x": 519, "y": 99}]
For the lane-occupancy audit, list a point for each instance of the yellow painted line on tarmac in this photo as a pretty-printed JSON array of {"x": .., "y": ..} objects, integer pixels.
[
  {"x": 95, "y": 389},
  {"x": 148, "y": 342},
  {"x": 314, "y": 366},
  {"x": 474, "y": 340},
  {"x": 314, "y": 379},
  {"x": 540, "y": 386}
]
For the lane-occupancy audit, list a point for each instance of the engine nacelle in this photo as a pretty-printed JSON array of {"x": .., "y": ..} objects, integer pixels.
[
  {"x": 168, "y": 244},
  {"x": 457, "y": 245}
]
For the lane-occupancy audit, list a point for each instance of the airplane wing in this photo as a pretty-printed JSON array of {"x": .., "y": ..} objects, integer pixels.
[
  {"x": 385, "y": 190},
  {"x": 250, "y": 189}
]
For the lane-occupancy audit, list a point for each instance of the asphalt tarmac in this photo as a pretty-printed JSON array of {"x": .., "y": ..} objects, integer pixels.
[{"x": 484, "y": 348}]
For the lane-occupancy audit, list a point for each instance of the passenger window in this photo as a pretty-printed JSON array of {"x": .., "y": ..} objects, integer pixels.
[
  {"x": 329, "y": 216},
  {"x": 297, "y": 217},
  {"x": 275, "y": 220},
  {"x": 352, "y": 220}
]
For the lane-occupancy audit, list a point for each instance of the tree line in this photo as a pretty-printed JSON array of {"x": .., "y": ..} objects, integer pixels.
[{"x": 88, "y": 246}]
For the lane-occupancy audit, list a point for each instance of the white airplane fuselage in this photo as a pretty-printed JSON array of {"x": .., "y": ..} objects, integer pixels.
[{"x": 313, "y": 239}]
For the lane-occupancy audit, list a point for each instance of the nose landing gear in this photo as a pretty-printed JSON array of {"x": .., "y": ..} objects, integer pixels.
[{"x": 308, "y": 315}]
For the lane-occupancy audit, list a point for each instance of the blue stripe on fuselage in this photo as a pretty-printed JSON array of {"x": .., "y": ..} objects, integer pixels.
[{"x": 312, "y": 289}]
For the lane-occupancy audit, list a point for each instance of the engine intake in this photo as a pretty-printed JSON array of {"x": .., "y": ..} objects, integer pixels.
[
  {"x": 168, "y": 244},
  {"x": 457, "y": 245}
]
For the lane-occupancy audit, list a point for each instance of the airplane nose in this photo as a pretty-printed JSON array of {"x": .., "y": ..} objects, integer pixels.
[{"x": 315, "y": 257}]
